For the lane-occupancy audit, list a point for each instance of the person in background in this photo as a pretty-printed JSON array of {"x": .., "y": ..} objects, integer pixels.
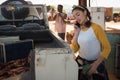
[
  {"x": 69, "y": 36},
  {"x": 60, "y": 23},
  {"x": 51, "y": 13},
  {"x": 91, "y": 45}
]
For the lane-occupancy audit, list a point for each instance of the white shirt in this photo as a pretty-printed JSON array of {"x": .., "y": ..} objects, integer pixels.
[{"x": 89, "y": 45}]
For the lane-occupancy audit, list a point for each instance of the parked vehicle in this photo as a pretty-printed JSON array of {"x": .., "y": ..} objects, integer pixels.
[{"x": 51, "y": 57}]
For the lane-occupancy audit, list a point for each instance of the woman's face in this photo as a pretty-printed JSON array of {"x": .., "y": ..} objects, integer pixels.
[{"x": 79, "y": 16}]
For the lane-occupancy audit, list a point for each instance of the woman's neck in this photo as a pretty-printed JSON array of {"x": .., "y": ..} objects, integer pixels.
[
  {"x": 83, "y": 23},
  {"x": 83, "y": 27}
]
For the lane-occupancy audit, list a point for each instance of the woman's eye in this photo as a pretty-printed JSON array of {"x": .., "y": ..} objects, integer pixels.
[{"x": 78, "y": 14}]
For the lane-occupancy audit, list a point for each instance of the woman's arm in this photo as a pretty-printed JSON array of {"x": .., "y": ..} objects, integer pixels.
[
  {"x": 76, "y": 34},
  {"x": 106, "y": 48},
  {"x": 74, "y": 43},
  {"x": 101, "y": 36}
]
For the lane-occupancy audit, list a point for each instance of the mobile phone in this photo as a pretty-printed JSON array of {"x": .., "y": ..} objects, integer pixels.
[{"x": 77, "y": 24}]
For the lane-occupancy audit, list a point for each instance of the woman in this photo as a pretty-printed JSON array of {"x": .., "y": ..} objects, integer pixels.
[{"x": 88, "y": 40}]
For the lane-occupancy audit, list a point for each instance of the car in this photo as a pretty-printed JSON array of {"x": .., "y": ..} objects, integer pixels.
[{"x": 51, "y": 57}]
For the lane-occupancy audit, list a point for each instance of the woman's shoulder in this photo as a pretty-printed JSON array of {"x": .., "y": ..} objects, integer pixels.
[{"x": 95, "y": 26}]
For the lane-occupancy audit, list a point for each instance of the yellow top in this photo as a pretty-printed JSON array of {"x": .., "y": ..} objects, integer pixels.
[{"x": 101, "y": 36}]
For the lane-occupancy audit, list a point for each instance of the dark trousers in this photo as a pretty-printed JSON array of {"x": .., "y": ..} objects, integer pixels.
[
  {"x": 62, "y": 35},
  {"x": 101, "y": 75}
]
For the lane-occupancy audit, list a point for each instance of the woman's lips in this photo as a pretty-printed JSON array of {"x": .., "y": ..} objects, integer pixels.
[{"x": 79, "y": 20}]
